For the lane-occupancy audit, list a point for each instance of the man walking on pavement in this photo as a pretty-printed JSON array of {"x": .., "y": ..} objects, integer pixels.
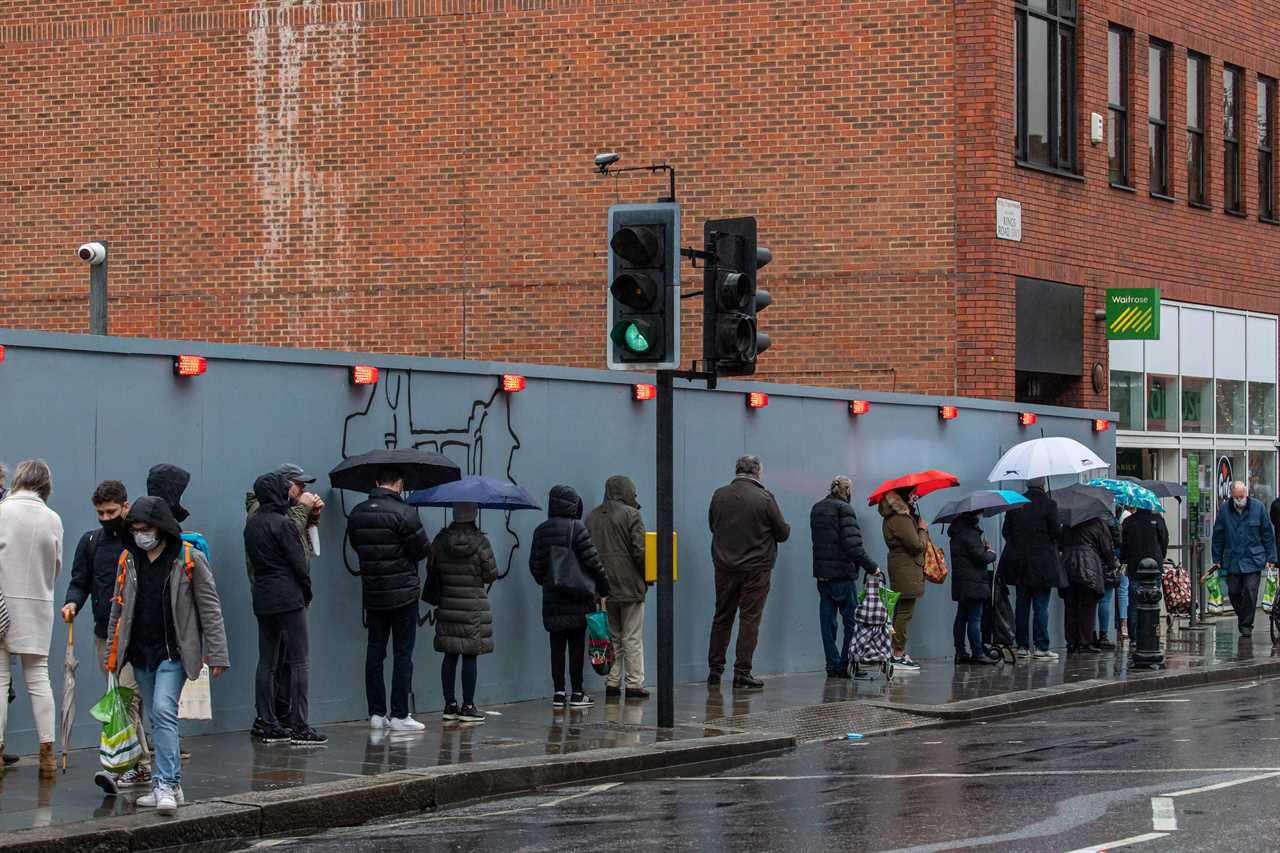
[
  {"x": 304, "y": 513},
  {"x": 389, "y": 539},
  {"x": 618, "y": 532},
  {"x": 1244, "y": 543},
  {"x": 837, "y": 556},
  {"x": 746, "y": 527},
  {"x": 93, "y": 579}
]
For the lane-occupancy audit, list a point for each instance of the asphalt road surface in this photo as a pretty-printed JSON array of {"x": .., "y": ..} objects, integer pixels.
[{"x": 1193, "y": 770}]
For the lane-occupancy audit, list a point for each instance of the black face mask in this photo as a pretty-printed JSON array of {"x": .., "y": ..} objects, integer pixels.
[{"x": 113, "y": 525}]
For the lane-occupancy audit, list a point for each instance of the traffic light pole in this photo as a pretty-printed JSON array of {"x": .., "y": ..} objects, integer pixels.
[{"x": 666, "y": 523}]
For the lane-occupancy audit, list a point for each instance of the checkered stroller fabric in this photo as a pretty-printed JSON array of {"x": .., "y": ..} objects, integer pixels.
[{"x": 871, "y": 626}]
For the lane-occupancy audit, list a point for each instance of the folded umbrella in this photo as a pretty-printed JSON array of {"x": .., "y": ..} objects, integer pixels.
[
  {"x": 1079, "y": 503},
  {"x": 921, "y": 482},
  {"x": 70, "y": 666},
  {"x": 422, "y": 469},
  {"x": 1130, "y": 494},
  {"x": 484, "y": 492},
  {"x": 1045, "y": 457},
  {"x": 1160, "y": 488},
  {"x": 989, "y": 502}
]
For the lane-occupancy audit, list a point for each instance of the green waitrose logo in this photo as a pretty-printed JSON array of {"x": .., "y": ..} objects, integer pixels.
[{"x": 1133, "y": 314}]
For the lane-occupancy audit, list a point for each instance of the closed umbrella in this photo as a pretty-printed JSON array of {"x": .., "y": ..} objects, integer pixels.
[
  {"x": 1130, "y": 494},
  {"x": 484, "y": 492},
  {"x": 70, "y": 666},
  {"x": 1079, "y": 503},
  {"x": 1045, "y": 457},
  {"x": 989, "y": 502},
  {"x": 921, "y": 482},
  {"x": 422, "y": 469}
]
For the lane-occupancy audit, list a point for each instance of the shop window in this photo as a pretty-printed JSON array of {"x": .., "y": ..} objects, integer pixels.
[
  {"x": 1262, "y": 408},
  {"x": 1262, "y": 475},
  {"x": 1126, "y": 398},
  {"x": 1230, "y": 407},
  {"x": 1197, "y": 404},
  {"x": 1162, "y": 403}
]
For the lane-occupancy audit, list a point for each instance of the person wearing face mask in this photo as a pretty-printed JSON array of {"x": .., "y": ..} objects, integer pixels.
[
  {"x": 1244, "y": 543},
  {"x": 93, "y": 578},
  {"x": 166, "y": 622}
]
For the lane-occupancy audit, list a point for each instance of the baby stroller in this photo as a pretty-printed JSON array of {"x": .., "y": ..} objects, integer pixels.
[{"x": 870, "y": 645}]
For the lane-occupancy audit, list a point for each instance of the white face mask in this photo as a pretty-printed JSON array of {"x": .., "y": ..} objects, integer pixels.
[
  {"x": 146, "y": 541},
  {"x": 1240, "y": 502}
]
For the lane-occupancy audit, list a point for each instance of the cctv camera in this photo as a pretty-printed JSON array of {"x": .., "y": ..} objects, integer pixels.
[
  {"x": 604, "y": 161},
  {"x": 94, "y": 253}
]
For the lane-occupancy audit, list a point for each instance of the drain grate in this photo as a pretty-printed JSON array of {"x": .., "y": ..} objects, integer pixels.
[{"x": 824, "y": 722}]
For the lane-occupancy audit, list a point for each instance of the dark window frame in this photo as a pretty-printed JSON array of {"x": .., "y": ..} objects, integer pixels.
[
  {"x": 1061, "y": 19},
  {"x": 1232, "y": 189},
  {"x": 1118, "y": 112},
  {"x": 1158, "y": 126},
  {"x": 1196, "y": 146},
  {"x": 1266, "y": 89}
]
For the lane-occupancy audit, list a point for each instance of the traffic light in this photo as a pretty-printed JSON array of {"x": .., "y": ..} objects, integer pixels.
[
  {"x": 731, "y": 299},
  {"x": 644, "y": 287}
]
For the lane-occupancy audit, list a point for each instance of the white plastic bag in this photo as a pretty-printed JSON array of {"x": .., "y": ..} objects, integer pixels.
[{"x": 196, "y": 702}]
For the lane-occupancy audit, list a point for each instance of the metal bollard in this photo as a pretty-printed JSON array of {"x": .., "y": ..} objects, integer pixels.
[{"x": 1148, "y": 594}]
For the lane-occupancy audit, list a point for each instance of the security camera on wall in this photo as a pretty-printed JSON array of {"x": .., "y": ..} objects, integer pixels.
[{"x": 93, "y": 253}]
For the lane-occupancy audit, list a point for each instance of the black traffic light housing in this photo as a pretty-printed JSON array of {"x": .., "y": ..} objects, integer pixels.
[
  {"x": 731, "y": 296},
  {"x": 644, "y": 287}
]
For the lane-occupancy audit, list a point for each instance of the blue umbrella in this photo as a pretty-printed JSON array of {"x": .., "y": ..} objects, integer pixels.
[
  {"x": 484, "y": 492},
  {"x": 989, "y": 502},
  {"x": 1130, "y": 494}
]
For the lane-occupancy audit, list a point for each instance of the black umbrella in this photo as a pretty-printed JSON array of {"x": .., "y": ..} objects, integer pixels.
[
  {"x": 422, "y": 469},
  {"x": 1079, "y": 503},
  {"x": 1162, "y": 488}
]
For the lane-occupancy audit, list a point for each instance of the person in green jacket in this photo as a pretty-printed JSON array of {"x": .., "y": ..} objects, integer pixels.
[{"x": 618, "y": 531}]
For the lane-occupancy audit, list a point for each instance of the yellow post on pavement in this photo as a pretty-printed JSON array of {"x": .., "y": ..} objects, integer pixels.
[{"x": 651, "y": 557}]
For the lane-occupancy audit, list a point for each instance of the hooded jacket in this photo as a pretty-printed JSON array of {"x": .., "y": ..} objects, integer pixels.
[
  {"x": 970, "y": 559},
  {"x": 564, "y": 528},
  {"x": 168, "y": 482},
  {"x": 193, "y": 599},
  {"x": 388, "y": 537},
  {"x": 1089, "y": 555},
  {"x": 463, "y": 557},
  {"x": 617, "y": 530},
  {"x": 1031, "y": 536},
  {"x": 746, "y": 527},
  {"x": 906, "y": 546},
  {"x": 837, "y": 541},
  {"x": 278, "y": 564},
  {"x": 300, "y": 516}
]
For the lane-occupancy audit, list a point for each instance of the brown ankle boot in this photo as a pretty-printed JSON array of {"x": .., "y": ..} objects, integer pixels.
[
  {"x": 48, "y": 764},
  {"x": 2, "y": 764}
]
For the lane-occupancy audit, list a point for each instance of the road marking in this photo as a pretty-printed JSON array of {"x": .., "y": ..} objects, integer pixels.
[
  {"x": 1218, "y": 787},
  {"x": 1164, "y": 818},
  {"x": 1144, "y": 701},
  {"x": 1123, "y": 842},
  {"x": 983, "y": 774},
  {"x": 932, "y": 743},
  {"x": 597, "y": 789}
]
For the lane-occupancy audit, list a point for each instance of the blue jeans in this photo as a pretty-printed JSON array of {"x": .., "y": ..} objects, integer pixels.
[
  {"x": 401, "y": 626},
  {"x": 1027, "y": 600},
  {"x": 1106, "y": 606},
  {"x": 161, "y": 688},
  {"x": 834, "y": 597},
  {"x": 968, "y": 620}
]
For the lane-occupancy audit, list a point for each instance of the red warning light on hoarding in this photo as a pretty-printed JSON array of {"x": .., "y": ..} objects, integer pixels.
[
  {"x": 859, "y": 407},
  {"x": 511, "y": 383},
  {"x": 757, "y": 400},
  {"x": 948, "y": 413},
  {"x": 363, "y": 374},
  {"x": 644, "y": 392},
  {"x": 1101, "y": 425},
  {"x": 1, "y": 353},
  {"x": 1027, "y": 418},
  {"x": 190, "y": 365}
]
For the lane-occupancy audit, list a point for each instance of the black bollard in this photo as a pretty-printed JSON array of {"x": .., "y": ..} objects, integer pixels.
[{"x": 1146, "y": 644}]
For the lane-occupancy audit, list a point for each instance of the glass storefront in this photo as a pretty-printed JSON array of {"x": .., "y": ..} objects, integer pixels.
[
  {"x": 1126, "y": 398},
  {"x": 1162, "y": 403},
  {"x": 1262, "y": 475},
  {"x": 1262, "y": 408},
  {"x": 1197, "y": 407},
  {"x": 1230, "y": 407}
]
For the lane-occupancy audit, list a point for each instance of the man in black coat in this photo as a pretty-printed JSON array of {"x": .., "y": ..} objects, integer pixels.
[
  {"x": 1144, "y": 534},
  {"x": 837, "y": 556},
  {"x": 281, "y": 595},
  {"x": 1030, "y": 561},
  {"x": 389, "y": 539}
]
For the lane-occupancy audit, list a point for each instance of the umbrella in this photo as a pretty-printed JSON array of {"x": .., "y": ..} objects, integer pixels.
[
  {"x": 989, "y": 502},
  {"x": 1160, "y": 488},
  {"x": 1079, "y": 503},
  {"x": 422, "y": 469},
  {"x": 69, "y": 692},
  {"x": 1130, "y": 494},
  {"x": 923, "y": 482},
  {"x": 1045, "y": 457},
  {"x": 484, "y": 492}
]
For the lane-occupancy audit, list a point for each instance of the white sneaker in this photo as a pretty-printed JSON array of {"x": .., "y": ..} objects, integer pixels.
[
  {"x": 165, "y": 799},
  {"x": 406, "y": 724},
  {"x": 1045, "y": 656},
  {"x": 1023, "y": 653},
  {"x": 376, "y": 722}
]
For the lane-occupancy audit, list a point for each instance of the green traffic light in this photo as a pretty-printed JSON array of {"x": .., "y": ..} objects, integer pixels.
[
  {"x": 635, "y": 339},
  {"x": 633, "y": 336}
]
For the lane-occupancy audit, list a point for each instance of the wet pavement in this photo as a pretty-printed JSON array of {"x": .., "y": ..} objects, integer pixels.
[
  {"x": 228, "y": 764},
  {"x": 1194, "y": 770}
]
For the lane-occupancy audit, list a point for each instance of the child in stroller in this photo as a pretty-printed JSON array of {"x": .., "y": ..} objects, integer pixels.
[{"x": 871, "y": 630}]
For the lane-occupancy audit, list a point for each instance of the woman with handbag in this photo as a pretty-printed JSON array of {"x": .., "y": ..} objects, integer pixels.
[
  {"x": 462, "y": 558},
  {"x": 30, "y": 559},
  {"x": 564, "y": 562},
  {"x": 905, "y": 536}
]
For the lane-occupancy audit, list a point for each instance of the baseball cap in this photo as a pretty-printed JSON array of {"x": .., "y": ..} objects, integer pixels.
[{"x": 294, "y": 473}]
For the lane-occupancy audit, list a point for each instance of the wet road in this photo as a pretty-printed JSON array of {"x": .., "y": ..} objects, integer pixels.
[{"x": 1190, "y": 770}]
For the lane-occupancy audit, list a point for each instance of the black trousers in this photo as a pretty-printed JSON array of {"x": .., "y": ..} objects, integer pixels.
[
  {"x": 1243, "y": 592},
  {"x": 401, "y": 627},
  {"x": 573, "y": 643},
  {"x": 1080, "y": 613},
  {"x": 283, "y": 634}
]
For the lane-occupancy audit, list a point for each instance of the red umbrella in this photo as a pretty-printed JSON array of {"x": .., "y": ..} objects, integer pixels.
[{"x": 923, "y": 482}]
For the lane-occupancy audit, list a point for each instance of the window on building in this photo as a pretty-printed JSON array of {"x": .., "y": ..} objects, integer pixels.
[
  {"x": 1162, "y": 403},
  {"x": 1231, "y": 91},
  {"x": 1266, "y": 134},
  {"x": 1045, "y": 67},
  {"x": 1119, "y": 43},
  {"x": 1262, "y": 475},
  {"x": 1158, "y": 116},
  {"x": 1126, "y": 398},
  {"x": 1197, "y": 73}
]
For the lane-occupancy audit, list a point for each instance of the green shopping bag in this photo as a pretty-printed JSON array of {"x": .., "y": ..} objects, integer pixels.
[
  {"x": 598, "y": 625},
  {"x": 888, "y": 596},
  {"x": 120, "y": 745},
  {"x": 1269, "y": 584},
  {"x": 1215, "y": 599}
]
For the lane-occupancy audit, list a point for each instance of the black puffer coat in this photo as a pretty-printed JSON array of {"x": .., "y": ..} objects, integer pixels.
[
  {"x": 564, "y": 528},
  {"x": 1031, "y": 536},
  {"x": 463, "y": 558},
  {"x": 281, "y": 579},
  {"x": 1089, "y": 555},
  {"x": 969, "y": 561},
  {"x": 837, "y": 541},
  {"x": 389, "y": 539}
]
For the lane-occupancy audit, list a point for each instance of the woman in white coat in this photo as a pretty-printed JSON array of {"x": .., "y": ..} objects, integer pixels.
[{"x": 30, "y": 559}]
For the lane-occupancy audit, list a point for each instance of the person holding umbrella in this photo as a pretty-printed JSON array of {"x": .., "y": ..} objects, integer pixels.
[
  {"x": 1089, "y": 561},
  {"x": 1030, "y": 562},
  {"x": 904, "y": 535}
]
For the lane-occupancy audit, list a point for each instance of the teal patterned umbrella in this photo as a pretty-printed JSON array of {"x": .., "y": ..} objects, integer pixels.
[{"x": 1130, "y": 494}]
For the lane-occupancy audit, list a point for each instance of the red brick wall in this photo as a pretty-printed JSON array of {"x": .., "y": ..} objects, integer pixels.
[
  {"x": 414, "y": 175},
  {"x": 1088, "y": 233}
]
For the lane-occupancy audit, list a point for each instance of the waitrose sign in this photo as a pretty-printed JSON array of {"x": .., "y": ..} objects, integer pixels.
[{"x": 1133, "y": 314}]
